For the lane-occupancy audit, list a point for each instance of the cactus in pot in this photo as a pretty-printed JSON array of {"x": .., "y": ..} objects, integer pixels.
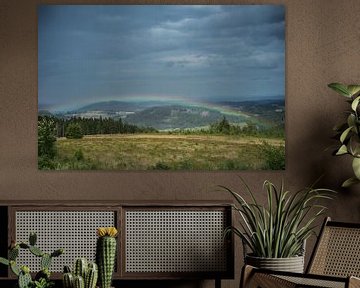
[
  {"x": 106, "y": 254},
  {"x": 85, "y": 275}
]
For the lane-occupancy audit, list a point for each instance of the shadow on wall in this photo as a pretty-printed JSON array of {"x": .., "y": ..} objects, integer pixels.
[{"x": 333, "y": 170}]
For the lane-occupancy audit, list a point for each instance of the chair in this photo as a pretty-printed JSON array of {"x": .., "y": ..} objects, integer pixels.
[{"x": 335, "y": 262}]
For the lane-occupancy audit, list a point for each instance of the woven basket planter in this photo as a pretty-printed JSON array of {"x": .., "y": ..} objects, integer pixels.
[{"x": 291, "y": 264}]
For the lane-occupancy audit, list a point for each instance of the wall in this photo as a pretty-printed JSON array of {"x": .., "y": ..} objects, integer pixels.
[{"x": 322, "y": 46}]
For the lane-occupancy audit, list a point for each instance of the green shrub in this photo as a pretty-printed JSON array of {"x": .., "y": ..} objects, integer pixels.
[
  {"x": 46, "y": 138},
  {"x": 274, "y": 156},
  {"x": 45, "y": 163},
  {"x": 74, "y": 131}
]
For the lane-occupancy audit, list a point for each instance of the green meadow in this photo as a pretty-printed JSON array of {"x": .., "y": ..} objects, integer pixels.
[{"x": 162, "y": 151}]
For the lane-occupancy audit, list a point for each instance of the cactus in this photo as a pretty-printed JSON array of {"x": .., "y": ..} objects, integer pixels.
[
  {"x": 13, "y": 253},
  {"x": 23, "y": 273},
  {"x": 45, "y": 261},
  {"x": 32, "y": 238},
  {"x": 24, "y": 280},
  {"x": 57, "y": 253},
  {"x": 24, "y": 245},
  {"x": 68, "y": 280},
  {"x": 14, "y": 268},
  {"x": 88, "y": 273},
  {"x": 91, "y": 276},
  {"x": 36, "y": 251},
  {"x": 67, "y": 269},
  {"x": 79, "y": 282},
  {"x": 80, "y": 267},
  {"x": 105, "y": 254}
]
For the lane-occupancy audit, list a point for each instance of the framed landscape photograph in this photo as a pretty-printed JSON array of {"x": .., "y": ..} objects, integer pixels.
[{"x": 161, "y": 87}]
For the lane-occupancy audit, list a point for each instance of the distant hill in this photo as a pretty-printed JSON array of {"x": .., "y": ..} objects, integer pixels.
[
  {"x": 164, "y": 115},
  {"x": 108, "y": 106},
  {"x": 180, "y": 116},
  {"x": 45, "y": 113},
  {"x": 270, "y": 110}
]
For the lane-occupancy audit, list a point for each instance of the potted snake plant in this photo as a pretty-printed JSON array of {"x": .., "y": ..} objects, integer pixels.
[
  {"x": 274, "y": 234},
  {"x": 348, "y": 132}
]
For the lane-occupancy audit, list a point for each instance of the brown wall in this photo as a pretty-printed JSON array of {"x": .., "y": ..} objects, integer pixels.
[{"x": 322, "y": 46}]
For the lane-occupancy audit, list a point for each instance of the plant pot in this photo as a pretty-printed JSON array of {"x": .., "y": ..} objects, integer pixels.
[{"x": 291, "y": 264}]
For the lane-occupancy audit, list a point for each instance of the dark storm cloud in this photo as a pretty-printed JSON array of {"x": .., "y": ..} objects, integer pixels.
[{"x": 204, "y": 53}]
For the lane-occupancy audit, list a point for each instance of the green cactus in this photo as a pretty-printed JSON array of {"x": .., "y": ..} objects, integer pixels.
[
  {"x": 67, "y": 269},
  {"x": 79, "y": 282},
  {"x": 105, "y": 255},
  {"x": 42, "y": 278},
  {"x": 80, "y": 267},
  {"x": 24, "y": 280},
  {"x": 13, "y": 253},
  {"x": 32, "y": 238},
  {"x": 57, "y": 252},
  {"x": 24, "y": 245},
  {"x": 91, "y": 276},
  {"x": 45, "y": 261},
  {"x": 87, "y": 272},
  {"x": 68, "y": 280},
  {"x": 36, "y": 251},
  {"x": 14, "y": 268}
]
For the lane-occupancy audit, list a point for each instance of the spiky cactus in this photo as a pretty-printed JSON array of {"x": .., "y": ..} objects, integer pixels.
[
  {"x": 23, "y": 273},
  {"x": 68, "y": 280},
  {"x": 91, "y": 276},
  {"x": 84, "y": 274},
  {"x": 80, "y": 267},
  {"x": 24, "y": 277},
  {"x": 106, "y": 254},
  {"x": 79, "y": 282}
]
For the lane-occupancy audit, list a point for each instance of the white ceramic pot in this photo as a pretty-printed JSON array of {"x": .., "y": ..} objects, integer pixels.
[{"x": 291, "y": 264}]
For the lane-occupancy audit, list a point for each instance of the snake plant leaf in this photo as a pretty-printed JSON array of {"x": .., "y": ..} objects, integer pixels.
[
  {"x": 356, "y": 167},
  {"x": 355, "y": 103},
  {"x": 340, "y": 88},
  {"x": 342, "y": 150},
  {"x": 349, "y": 182},
  {"x": 353, "y": 89}
]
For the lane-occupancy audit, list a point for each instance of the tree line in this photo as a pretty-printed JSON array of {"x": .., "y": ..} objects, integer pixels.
[
  {"x": 224, "y": 127},
  {"x": 67, "y": 127},
  {"x": 77, "y": 127}
]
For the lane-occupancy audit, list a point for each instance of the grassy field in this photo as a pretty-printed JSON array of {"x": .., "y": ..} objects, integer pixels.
[{"x": 164, "y": 152}]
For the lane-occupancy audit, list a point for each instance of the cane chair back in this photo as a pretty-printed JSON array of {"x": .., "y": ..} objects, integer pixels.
[{"x": 337, "y": 252}]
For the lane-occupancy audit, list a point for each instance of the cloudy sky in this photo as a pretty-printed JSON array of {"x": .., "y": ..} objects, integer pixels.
[{"x": 91, "y": 53}]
